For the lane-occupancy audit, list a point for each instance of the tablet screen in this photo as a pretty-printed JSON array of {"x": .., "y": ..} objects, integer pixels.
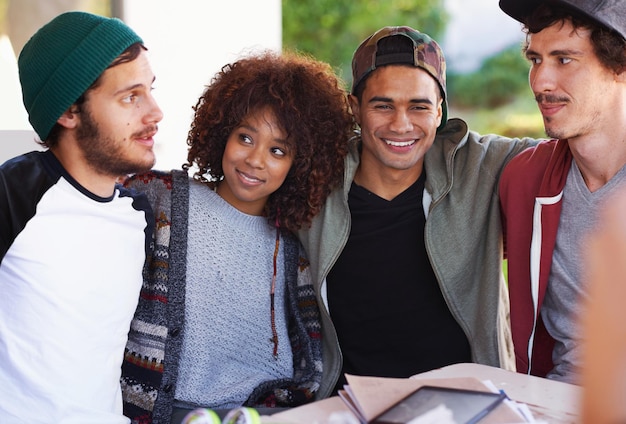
[{"x": 467, "y": 406}]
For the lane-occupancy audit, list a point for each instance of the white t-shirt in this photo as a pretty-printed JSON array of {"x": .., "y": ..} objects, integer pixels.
[{"x": 70, "y": 283}]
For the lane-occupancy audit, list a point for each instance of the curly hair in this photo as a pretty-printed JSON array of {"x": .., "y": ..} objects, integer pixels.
[
  {"x": 608, "y": 44},
  {"x": 310, "y": 105}
]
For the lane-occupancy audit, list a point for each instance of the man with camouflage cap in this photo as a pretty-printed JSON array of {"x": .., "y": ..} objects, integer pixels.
[
  {"x": 408, "y": 253},
  {"x": 552, "y": 194}
]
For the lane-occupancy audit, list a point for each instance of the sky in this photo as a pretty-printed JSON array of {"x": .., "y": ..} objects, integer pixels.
[{"x": 477, "y": 29}]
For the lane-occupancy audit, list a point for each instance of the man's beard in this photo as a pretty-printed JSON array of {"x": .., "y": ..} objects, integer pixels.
[{"x": 103, "y": 154}]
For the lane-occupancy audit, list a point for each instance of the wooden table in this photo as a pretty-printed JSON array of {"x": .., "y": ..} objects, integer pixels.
[{"x": 551, "y": 401}]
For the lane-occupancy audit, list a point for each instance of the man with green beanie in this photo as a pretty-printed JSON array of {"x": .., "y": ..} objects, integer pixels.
[
  {"x": 407, "y": 255},
  {"x": 72, "y": 242}
]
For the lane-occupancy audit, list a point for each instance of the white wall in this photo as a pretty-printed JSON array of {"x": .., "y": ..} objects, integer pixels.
[
  {"x": 16, "y": 134},
  {"x": 188, "y": 40}
]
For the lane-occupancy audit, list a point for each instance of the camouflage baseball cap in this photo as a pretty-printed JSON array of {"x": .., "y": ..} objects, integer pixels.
[
  {"x": 609, "y": 13},
  {"x": 425, "y": 54}
]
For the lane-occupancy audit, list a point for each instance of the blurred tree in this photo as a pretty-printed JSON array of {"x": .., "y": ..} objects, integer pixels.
[
  {"x": 497, "y": 98},
  {"x": 500, "y": 79},
  {"x": 331, "y": 30}
]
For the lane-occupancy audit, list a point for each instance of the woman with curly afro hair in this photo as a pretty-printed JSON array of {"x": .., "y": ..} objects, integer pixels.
[
  {"x": 228, "y": 315},
  {"x": 309, "y": 107}
]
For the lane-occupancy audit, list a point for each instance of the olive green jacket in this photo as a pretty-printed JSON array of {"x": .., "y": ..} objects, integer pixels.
[{"x": 463, "y": 240}]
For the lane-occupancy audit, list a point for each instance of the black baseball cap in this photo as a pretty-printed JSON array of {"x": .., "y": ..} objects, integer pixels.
[{"x": 610, "y": 13}]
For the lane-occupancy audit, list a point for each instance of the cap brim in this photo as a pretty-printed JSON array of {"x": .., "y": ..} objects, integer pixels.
[{"x": 519, "y": 9}]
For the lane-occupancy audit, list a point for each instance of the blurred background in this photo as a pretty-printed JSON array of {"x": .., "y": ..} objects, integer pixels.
[{"x": 190, "y": 40}]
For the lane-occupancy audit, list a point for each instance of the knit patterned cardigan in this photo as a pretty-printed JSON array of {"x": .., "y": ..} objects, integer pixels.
[{"x": 152, "y": 355}]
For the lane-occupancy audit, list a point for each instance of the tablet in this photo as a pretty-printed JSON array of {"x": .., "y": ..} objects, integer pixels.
[{"x": 467, "y": 406}]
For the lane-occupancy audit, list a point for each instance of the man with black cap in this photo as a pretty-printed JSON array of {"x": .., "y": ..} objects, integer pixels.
[
  {"x": 72, "y": 242},
  {"x": 406, "y": 256},
  {"x": 551, "y": 194}
]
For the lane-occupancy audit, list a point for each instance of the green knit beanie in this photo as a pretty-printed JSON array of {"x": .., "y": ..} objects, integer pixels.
[{"x": 63, "y": 58}]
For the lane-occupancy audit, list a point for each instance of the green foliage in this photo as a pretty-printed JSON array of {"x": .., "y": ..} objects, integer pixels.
[
  {"x": 500, "y": 79},
  {"x": 331, "y": 30},
  {"x": 497, "y": 98},
  {"x": 519, "y": 118}
]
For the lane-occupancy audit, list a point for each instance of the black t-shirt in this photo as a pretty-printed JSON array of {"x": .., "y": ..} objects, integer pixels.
[{"x": 383, "y": 297}]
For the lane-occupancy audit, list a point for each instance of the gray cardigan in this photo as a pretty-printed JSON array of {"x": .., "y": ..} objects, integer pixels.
[{"x": 150, "y": 367}]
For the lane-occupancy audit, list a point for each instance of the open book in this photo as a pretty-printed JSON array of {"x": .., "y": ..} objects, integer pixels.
[{"x": 369, "y": 397}]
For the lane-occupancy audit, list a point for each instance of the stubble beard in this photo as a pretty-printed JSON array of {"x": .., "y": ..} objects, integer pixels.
[{"x": 103, "y": 154}]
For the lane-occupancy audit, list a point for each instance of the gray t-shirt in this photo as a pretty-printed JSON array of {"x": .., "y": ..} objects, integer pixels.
[{"x": 560, "y": 309}]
